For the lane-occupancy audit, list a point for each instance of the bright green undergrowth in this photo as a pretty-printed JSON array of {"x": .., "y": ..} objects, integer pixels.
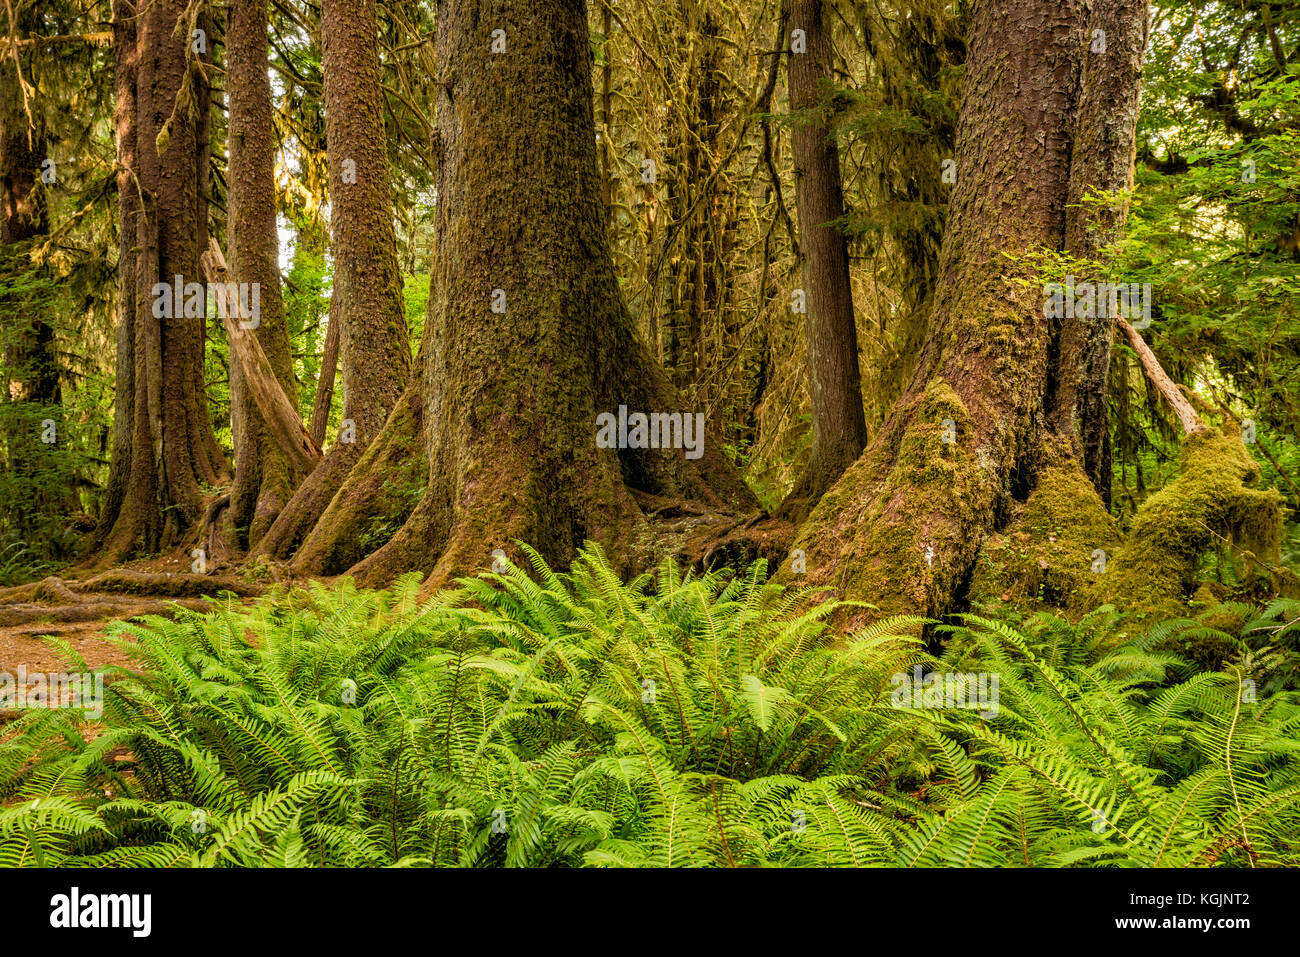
[{"x": 542, "y": 719}]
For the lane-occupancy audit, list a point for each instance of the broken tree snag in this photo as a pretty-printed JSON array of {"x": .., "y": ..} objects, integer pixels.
[
  {"x": 283, "y": 423},
  {"x": 1187, "y": 417}
]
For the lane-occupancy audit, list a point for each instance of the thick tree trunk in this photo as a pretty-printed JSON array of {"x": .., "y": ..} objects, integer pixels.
[
  {"x": 527, "y": 340},
  {"x": 902, "y": 528},
  {"x": 171, "y": 442},
  {"x": 265, "y": 475},
  {"x": 372, "y": 325},
  {"x": 1104, "y": 148},
  {"x": 839, "y": 428}
]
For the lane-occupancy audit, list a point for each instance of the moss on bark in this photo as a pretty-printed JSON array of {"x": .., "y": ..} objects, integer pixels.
[{"x": 1053, "y": 551}]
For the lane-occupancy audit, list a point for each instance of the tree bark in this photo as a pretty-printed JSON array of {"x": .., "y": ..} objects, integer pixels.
[
  {"x": 273, "y": 452},
  {"x": 511, "y": 396},
  {"x": 903, "y": 526},
  {"x": 372, "y": 324},
  {"x": 171, "y": 435},
  {"x": 128, "y": 210},
  {"x": 329, "y": 364},
  {"x": 839, "y": 428},
  {"x": 1103, "y": 153}
]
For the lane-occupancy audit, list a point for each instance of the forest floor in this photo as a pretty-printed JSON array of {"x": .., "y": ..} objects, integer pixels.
[{"x": 76, "y": 607}]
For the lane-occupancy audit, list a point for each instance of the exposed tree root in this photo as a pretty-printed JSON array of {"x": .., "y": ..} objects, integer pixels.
[
  {"x": 379, "y": 493},
  {"x": 13, "y": 615},
  {"x": 300, "y": 515}
]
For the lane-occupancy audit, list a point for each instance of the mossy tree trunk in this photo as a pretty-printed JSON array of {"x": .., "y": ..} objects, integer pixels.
[
  {"x": 1103, "y": 153},
  {"x": 527, "y": 339},
  {"x": 264, "y": 479},
  {"x": 373, "y": 341},
  {"x": 121, "y": 459},
  {"x": 172, "y": 448},
  {"x": 839, "y": 428},
  {"x": 967, "y": 440}
]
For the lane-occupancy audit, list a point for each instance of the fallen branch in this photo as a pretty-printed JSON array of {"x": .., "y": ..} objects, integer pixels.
[{"x": 1187, "y": 417}]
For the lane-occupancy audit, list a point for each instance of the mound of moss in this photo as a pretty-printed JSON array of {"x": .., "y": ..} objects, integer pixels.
[
  {"x": 1052, "y": 554},
  {"x": 1210, "y": 501}
]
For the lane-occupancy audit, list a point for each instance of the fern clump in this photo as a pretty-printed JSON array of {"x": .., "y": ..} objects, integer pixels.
[{"x": 536, "y": 718}]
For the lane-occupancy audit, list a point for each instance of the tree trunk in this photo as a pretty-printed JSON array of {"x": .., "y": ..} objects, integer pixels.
[
  {"x": 116, "y": 489},
  {"x": 265, "y": 476},
  {"x": 171, "y": 442},
  {"x": 329, "y": 364},
  {"x": 1105, "y": 145},
  {"x": 372, "y": 325},
  {"x": 839, "y": 428},
  {"x": 904, "y": 525},
  {"x": 527, "y": 339}
]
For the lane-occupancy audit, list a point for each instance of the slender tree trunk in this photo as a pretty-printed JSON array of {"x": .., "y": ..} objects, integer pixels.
[
  {"x": 264, "y": 477},
  {"x": 128, "y": 210},
  {"x": 372, "y": 324},
  {"x": 329, "y": 364},
  {"x": 839, "y": 428},
  {"x": 211, "y": 459},
  {"x": 527, "y": 339}
]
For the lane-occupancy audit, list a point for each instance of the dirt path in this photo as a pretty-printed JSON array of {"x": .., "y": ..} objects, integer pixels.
[{"x": 78, "y": 612}]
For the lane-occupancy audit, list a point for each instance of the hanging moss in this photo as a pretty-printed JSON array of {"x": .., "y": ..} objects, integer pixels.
[{"x": 1210, "y": 500}]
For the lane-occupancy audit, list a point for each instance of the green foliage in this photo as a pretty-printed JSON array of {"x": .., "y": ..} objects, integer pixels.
[{"x": 542, "y": 719}]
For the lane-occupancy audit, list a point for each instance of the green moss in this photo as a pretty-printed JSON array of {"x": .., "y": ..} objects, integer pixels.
[
  {"x": 1053, "y": 552},
  {"x": 1209, "y": 501},
  {"x": 930, "y": 494}
]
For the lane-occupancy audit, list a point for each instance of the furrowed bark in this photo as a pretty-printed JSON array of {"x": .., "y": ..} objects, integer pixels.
[
  {"x": 903, "y": 526},
  {"x": 171, "y": 441},
  {"x": 527, "y": 339},
  {"x": 372, "y": 331},
  {"x": 839, "y": 428},
  {"x": 1104, "y": 147},
  {"x": 273, "y": 451}
]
